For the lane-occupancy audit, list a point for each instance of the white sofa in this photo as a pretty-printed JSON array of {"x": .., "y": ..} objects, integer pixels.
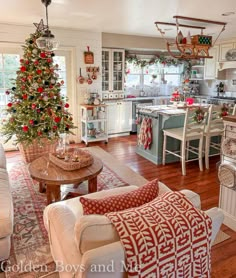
[
  {"x": 88, "y": 243},
  {"x": 6, "y": 209}
]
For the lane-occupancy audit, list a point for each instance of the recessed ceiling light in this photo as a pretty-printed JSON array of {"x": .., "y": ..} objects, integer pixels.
[
  {"x": 228, "y": 13},
  {"x": 168, "y": 29}
]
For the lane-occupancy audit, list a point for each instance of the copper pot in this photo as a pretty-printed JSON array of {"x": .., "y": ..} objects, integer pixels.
[
  {"x": 89, "y": 80},
  {"x": 81, "y": 78}
]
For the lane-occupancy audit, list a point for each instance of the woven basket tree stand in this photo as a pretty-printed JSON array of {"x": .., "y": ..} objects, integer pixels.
[{"x": 35, "y": 149}]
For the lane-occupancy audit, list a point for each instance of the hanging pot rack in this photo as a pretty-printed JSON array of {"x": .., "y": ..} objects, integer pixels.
[{"x": 199, "y": 45}]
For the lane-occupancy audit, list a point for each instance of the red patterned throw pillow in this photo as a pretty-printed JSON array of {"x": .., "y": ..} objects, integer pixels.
[{"x": 135, "y": 198}]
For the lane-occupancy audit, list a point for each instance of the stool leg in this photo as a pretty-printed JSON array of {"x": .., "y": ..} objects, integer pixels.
[
  {"x": 183, "y": 153},
  {"x": 200, "y": 149},
  {"x": 164, "y": 150},
  {"x": 207, "y": 149}
]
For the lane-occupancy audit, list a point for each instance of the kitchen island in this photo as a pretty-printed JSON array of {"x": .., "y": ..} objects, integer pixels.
[{"x": 161, "y": 117}]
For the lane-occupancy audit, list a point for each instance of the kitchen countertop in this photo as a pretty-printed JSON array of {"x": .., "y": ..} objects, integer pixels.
[{"x": 168, "y": 110}]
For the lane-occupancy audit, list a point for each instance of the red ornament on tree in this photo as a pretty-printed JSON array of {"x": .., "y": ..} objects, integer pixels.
[
  {"x": 54, "y": 127},
  {"x": 23, "y": 68},
  {"x": 33, "y": 106},
  {"x": 36, "y": 62},
  {"x": 40, "y": 89},
  {"x": 39, "y": 71},
  {"x": 31, "y": 122},
  {"x": 25, "y": 96},
  {"x": 67, "y": 105},
  {"x": 43, "y": 55},
  {"x": 57, "y": 119},
  {"x": 25, "y": 128},
  {"x": 9, "y": 104}
]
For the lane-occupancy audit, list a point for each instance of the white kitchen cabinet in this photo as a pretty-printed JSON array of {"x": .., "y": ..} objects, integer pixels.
[
  {"x": 227, "y": 173},
  {"x": 113, "y": 65},
  {"x": 210, "y": 69},
  {"x": 197, "y": 72},
  {"x": 224, "y": 47},
  {"x": 119, "y": 115},
  {"x": 94, "y": 123}
]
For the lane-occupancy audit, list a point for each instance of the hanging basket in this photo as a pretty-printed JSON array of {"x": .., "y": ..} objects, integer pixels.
[{"x": 35, "y": 150}]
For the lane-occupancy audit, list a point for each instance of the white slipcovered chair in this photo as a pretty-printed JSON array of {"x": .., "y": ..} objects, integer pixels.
[
  {"x": 6, "y": 209},
  {"x": 86, "y": 246}
]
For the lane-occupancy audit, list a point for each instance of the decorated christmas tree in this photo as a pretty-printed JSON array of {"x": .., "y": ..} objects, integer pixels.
[{"x": 36, "y": 109}]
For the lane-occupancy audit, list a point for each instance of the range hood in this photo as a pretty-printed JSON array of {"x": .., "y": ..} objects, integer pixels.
[{"x": 226, "y": 65}]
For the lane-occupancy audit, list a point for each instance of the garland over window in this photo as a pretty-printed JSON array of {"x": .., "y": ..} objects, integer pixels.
[{"x": 158, "y": 59}]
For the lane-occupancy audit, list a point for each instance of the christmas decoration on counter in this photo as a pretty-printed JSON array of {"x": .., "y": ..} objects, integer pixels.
[
  {"x": 177, "y": 96},
  {"x": 88, "y": 56},
  {"x": 36, "y": 109}
]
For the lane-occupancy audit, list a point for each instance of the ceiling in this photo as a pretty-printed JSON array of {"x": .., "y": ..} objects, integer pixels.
[{"x": 135, "y": 17}]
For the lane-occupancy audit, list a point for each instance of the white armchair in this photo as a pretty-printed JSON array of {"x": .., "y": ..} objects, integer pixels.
[{"x": 87, "y": 246}]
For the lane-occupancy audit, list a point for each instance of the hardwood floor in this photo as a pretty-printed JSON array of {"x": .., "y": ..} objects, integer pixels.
[{"x": 204, "y": 183}]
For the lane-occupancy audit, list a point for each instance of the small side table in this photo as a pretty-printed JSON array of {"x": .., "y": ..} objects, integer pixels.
[{"x": 45, "y": 172}]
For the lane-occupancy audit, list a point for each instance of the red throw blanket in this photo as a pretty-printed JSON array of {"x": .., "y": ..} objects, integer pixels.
[{"x": 167, "y": 237}]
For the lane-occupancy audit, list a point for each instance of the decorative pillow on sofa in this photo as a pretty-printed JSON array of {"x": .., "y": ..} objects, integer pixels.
[{"x": 135, "y": 198}]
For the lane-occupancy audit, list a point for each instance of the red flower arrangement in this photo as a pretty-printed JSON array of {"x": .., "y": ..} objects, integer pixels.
[{"x": 176, "y": 96}]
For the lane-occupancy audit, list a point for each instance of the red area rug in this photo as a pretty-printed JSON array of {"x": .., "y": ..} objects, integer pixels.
[{"x": 30, "y": 246}]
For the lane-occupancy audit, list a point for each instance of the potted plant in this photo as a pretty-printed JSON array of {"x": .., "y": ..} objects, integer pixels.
[{"x": 37, "y": 112}]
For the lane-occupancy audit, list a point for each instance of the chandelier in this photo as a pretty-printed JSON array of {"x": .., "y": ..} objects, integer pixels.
[
  {"x": 189, "y": 47},
  {"x": 47, "y": 41}
]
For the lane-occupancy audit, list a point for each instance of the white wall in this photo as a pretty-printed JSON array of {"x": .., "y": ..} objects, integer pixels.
[{"x": 74, "y": 41}]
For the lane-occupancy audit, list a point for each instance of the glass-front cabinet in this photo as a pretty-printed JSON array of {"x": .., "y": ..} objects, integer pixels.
[{"x": 113, "y": 61}]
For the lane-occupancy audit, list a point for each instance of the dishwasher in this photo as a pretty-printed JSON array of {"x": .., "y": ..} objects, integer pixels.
[{"x": 143, "y": 102}]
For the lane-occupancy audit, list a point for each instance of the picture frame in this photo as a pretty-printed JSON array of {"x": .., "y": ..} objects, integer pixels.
[{"x": 88, "y": 57}]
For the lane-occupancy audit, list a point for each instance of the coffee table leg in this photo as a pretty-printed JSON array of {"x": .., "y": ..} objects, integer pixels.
[
  {"x": 53, "y": 193},
  {"x": 92, "y": 185},
  {"x": 42, "y": 187}
]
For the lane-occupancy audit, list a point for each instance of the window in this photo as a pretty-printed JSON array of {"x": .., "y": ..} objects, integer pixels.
[
  {"x": 9, "y": 63},
  {"x": 61, "y": 61},
  {"x": 152, "y": 76}
]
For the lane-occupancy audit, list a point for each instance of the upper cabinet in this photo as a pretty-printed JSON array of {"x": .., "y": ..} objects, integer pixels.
[
  {"x": 224, "y": 47},
  {"x": 210, "y": 70},
  {"x": 113, "y": 65}
]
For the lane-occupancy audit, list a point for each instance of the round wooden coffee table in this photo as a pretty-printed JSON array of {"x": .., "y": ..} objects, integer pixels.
[{"x": 44, "y": 171}]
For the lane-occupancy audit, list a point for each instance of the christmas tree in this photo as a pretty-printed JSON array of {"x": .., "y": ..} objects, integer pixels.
[{"x": 36, "y": 109}]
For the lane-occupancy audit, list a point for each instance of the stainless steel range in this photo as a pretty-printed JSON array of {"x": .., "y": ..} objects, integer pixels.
[{"x": 221, "y": 100}]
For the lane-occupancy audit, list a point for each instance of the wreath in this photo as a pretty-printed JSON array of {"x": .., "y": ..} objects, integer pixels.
[
  {"x": 199, "y": 115},
  {"x": 224, "y": 110}
]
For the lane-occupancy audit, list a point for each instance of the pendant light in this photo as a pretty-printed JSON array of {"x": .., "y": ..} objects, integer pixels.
[{"x": 47, "y": 41}]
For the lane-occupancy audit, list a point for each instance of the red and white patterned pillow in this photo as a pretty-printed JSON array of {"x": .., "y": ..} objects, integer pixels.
[{"x": 135, "y": 198}]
